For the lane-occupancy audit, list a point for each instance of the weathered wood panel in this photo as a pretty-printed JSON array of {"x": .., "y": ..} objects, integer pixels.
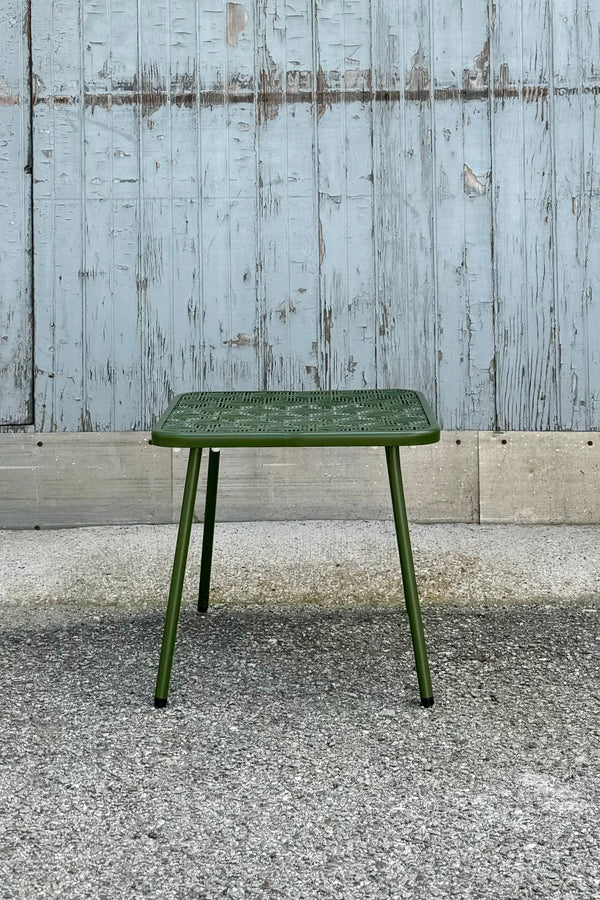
[
  {"x": 59, "y": 222},
  {"x": 576, "y": 68},
  {"x": 345, "y": 195},
  {"x": 547, "y": 312},
  {"x": 405, "y": 297},
  {"x": 463, "y": 246},
  {"x": 286, "y": 226},
  {"x": 333, "y": 193},
  {"x": 525, "y": 226},
  {"x": 16, "y": 351}
]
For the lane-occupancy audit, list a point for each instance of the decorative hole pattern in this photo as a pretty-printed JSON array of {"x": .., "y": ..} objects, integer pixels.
[{"x": 261, "y": 414}]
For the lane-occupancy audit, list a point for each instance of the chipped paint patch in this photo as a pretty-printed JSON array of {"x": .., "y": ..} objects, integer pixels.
[
  {"x": 473, "y": 187},
  {"x": 7, "y": 97},
  {"x": 418, "y": 79},
  {"x": 242, "y": 340},
  {"x": 285, "y": 308},
  {"x": 237, "y": 19},
  {"x": 478, "y": 78}
]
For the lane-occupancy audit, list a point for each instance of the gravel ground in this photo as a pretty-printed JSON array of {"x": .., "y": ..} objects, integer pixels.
[{"x": 294, "y": 760}]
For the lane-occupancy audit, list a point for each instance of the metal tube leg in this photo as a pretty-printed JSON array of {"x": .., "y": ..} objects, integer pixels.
[
  {"x": 181, "y": 552},
  {"x": 209, "y": 529},
  {"x": 408, "y": 575}
]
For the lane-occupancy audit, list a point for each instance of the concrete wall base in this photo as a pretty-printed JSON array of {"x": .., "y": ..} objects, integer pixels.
[{"x": 63, "y": 480}]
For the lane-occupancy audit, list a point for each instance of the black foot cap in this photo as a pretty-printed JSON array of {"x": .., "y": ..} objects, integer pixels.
[
  {"x": 160, "y": 702},
  {"x": 427, "y": 701},
  {"x": 203, "y": 610}
]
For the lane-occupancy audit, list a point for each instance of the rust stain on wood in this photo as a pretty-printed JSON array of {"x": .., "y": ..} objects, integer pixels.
[{"x": 271, "y": 93}]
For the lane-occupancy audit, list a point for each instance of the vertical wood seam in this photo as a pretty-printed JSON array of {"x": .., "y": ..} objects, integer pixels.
[
  {"x": 172, "y": 257},
  {"x": 26, "y": 68},
  {"x": 321, "y": 355},
  {"x": 141, "y": 298},
  {"x": 25, "y": 404},
  {"x": 52, "y": 205},
  {"x": 259, "y": 278},
  {"x": 111, "y": 274},
  {"x": 289, "y": 382},
  {"x": 403, "y": 128},
  {"x": 467, "y": 298},
  {"x": 493, "y": 207},
  {"x": 227, "y": 223},
  {"x": 199, "y": 289},
  {"x": 529, "y": 411},
  {"x": 589, "y": 422},
  {"x": 555, "y": 315},
  {"x": 434, "y": 219},
  {"x": 349, "y": 299},
  {"x": 374, "y": 184},
  {"x": 86, "y": 417}
]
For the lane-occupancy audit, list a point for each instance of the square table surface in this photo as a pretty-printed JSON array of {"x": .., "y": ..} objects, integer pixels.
[{"x": 297, "y": 419}]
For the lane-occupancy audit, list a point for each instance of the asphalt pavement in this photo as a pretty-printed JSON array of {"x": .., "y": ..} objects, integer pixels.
[{"x": 294, "y": 759}]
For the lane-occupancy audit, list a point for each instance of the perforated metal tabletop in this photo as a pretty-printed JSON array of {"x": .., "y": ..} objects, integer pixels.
[
  {"x": 297, "y": 419},
  {"x": 387, "y": 418}
]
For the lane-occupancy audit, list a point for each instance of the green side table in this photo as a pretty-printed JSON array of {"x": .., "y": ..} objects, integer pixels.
[{"x": 388, "y": 418}]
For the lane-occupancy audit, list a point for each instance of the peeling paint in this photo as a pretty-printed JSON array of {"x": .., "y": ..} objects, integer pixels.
[
  {"x": 7, "y": 97},
  {"x": 285, "y": 308},
  {"x": 503, "y": 81},
  {"x": 473, "y": 187},
  {"x": 242, "y": 340},
  {"x": 478, "y": 78},
  {"x": 358, "y": 213},
  {"x": 321, "y": 245},
  {"x": 270, "y": 94},
  {"x": 418, "y": 79},
  {"x": 327, "y": 323},
  {"x": 237, "y": 19}
]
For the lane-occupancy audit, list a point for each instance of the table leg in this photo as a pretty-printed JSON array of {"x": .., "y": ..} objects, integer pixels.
[
  {"x": 209, "y": 529},
  {"x": 408, "y": 575},
  {"x": 181, "y": 552}
]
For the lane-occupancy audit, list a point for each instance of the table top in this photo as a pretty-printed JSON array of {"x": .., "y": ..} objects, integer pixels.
[{"x": 297, "y": 419}]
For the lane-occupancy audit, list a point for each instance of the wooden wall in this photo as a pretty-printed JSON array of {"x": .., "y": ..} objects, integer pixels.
[
  {"x": 16, "y": 348},
  {"x": 301, "y": 193}
]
